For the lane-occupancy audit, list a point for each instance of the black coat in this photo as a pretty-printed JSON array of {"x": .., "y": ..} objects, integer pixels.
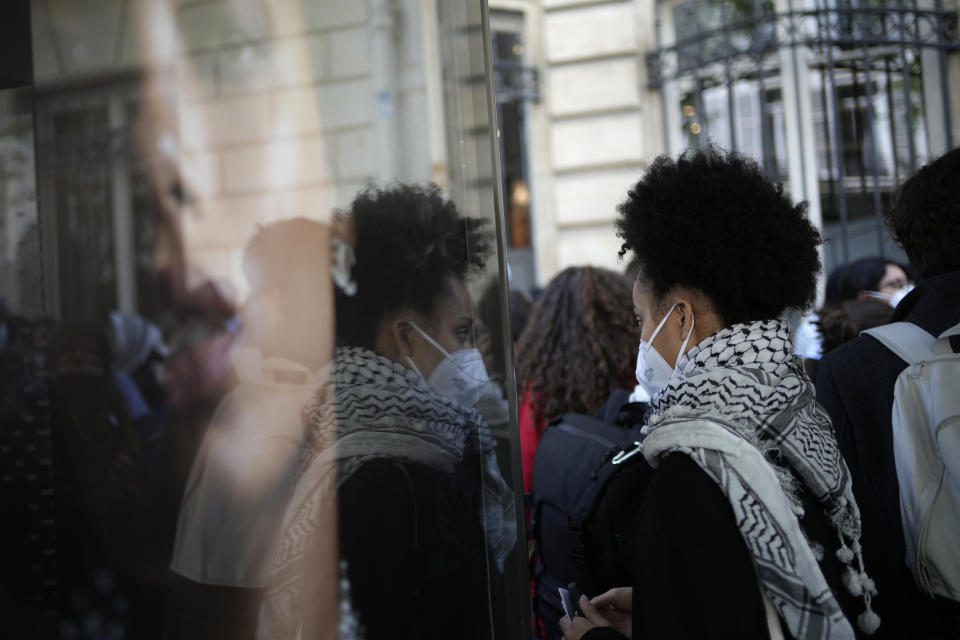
[
  {"x": 693, "y": 576},
  {"x": 415, "y": 550},
  {"x": 855, "y": 385}
]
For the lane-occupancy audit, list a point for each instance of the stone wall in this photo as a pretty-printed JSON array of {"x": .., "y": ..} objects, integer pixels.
[{"x": 595, "y": 127}]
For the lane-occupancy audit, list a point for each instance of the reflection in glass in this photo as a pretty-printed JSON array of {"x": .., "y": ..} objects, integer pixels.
[
  {"x": 419, "y": 488},
  {"x": 188, "y": 455}
]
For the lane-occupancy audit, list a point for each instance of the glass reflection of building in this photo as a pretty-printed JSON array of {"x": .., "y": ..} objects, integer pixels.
[{"x": 387, "y": 92}]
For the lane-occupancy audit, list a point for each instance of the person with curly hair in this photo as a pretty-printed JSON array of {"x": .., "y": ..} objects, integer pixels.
[
  {"x": 748, "y": 522},
  {"x": 855, "y": 383},
  {"x": 842, "y": 323},
  {"x": 575, "y": 350},
  {"x": 425, "y": 518}
]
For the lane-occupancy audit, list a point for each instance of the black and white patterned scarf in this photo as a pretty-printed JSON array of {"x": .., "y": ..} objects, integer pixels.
[
  {"x": 380, "y": 410},
  {"x": 740, "y": 405}
]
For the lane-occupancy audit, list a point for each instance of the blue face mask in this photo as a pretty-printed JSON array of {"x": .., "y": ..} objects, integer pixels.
[{"x": 653, "y": 372}]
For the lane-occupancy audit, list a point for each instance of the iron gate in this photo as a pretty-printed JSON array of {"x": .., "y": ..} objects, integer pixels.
[{"x": 871, "y": 86}]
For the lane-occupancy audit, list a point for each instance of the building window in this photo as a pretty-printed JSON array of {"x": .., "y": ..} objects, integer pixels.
[
  {"x": 841, "y": 100},
  {"x": 516, "y": 85}
]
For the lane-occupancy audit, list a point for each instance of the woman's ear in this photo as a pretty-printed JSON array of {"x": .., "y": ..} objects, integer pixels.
[
  {"x": 402, "y": 336},
  {"x": 686, "y": 314}
]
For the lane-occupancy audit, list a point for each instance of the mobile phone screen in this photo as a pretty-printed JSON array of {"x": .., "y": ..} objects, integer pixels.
[{"x": 568, "y": 606}]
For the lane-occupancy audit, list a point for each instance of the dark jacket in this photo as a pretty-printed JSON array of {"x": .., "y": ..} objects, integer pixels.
[
  {"x": 855, "y": 385},
  {"x": 417, "y": 560},
  {"x": 693, "y": 576}
]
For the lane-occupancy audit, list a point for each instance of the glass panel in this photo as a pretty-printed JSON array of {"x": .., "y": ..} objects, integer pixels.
[{"x": 258, "y": 379}]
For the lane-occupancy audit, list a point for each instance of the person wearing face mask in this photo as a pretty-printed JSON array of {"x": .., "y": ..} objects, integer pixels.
[
  {"x": 748, "y": 527},
  {"x": 425, "y": 518},
  {"x": 856, "y": 383},
  {"x": 877, "y": 279}
]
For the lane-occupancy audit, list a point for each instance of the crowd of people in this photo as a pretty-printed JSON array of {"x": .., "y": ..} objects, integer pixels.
[
  {"x": 798, "y": 487},
  {"x": 325, "y": 460}
]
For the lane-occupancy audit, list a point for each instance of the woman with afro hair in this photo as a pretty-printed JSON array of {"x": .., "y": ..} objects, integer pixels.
[
  {"x": 573, "y": 352},
  {"x": 425, "y": 518},
  {"x": 748, "y": 527}
]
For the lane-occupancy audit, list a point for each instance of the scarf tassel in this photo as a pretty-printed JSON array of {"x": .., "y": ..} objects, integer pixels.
[
  {"x": 845, "y": 555},
  {"x": 868, "y": 621},
  {"x": 858, "y": 583}
]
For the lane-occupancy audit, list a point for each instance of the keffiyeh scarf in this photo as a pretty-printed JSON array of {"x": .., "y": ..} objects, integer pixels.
[
  {"x": 380, "y": 409},
  {"x": 741, "y": 406}
]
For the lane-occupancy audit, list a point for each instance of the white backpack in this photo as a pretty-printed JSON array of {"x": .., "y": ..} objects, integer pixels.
[{"x": 926, "y": 448}]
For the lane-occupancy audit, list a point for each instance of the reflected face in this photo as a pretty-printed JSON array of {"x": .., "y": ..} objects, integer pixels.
[
  {"x": 226, "y": 153},
  {"x": 893, "y": 280},
  {"x": 450, "y": 324}
]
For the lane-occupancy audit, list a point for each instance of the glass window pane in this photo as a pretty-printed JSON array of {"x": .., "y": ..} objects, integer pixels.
[{"x": 253, "y": 279}]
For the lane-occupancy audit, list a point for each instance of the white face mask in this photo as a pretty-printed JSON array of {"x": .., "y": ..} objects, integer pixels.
[
  {"x": 460, "y": 374},
  {"x": 653, "y": 372},
  {"x": 893, "y": 299}
]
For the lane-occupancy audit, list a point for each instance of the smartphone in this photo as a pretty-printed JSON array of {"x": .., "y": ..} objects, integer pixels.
[
  {"x": 568, "y": 606},
  {"x": 574, "y": 592}
]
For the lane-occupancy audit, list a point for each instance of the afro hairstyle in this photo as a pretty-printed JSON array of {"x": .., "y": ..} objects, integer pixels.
[
  {"x": 409, "y": 241},
  {"x": 712, "y": 221}
]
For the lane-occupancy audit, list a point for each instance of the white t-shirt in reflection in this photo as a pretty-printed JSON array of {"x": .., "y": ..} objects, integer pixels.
[{"x": 235, "y": 498}]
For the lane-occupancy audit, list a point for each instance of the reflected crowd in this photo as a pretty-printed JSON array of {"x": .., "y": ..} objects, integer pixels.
[{"x": 336, "y": 417}]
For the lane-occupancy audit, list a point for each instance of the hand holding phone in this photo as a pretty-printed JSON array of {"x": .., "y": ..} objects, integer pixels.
[
  {"x": 567, "y": 603},
  {"x": 570, "y": 599}
]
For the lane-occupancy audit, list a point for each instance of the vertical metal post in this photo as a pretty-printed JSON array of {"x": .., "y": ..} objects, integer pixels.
[
  {"x": 907, "y": 102},
  {"x": 826, "y": 131},
  {"x": 857, "y": 121},
  {"x": 728, "y": 56},
  {"x": 872, "y": 137},
  {"x": 835, "y": 143},
  {"x": 944, "y": 82},
  {"x": 701, "y": 112},
  {"x": 697, "y": 93},
  {"x": 893, "y": 122},
  {"x": 766, "y": 136}
]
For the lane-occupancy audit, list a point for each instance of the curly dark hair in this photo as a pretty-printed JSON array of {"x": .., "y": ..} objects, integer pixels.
[
  {"x": 579, "y": 343},
  {"x": 925, "y": 216},
  {"x": 842, "y": 323},
  {"x": 409, "y": 240},
  {"x": 713, "y": 222}
]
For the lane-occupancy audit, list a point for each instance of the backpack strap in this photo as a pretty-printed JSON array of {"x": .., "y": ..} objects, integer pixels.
[
  {"x": 615, "y": 402},
  {"x": 948, "y": 342},
  {"x": 911, "y": 343},
  {"x": 585, "y": 427}
]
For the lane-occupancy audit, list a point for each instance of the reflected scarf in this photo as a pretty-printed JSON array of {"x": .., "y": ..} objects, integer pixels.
[
  {"x": 381, "y": 411},
  {"x": 741, "y": 406}
]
